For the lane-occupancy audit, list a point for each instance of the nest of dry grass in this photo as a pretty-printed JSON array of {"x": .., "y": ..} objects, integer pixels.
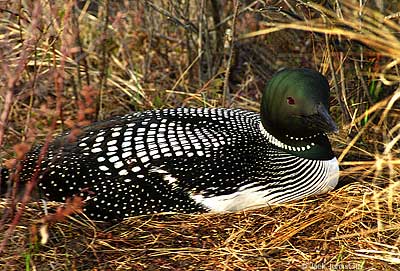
[{"x": 356, "y": 227}]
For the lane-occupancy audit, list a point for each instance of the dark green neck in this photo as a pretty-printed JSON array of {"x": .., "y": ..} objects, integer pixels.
[{"x": 315, "y": 147}]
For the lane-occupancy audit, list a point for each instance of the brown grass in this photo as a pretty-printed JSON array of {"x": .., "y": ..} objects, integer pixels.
[
  {"x": 63, "y": 67},
  {"x": 352, "y": 228}
]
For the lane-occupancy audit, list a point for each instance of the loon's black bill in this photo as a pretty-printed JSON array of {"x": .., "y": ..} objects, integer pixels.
[{"x": 326, "y": 123}]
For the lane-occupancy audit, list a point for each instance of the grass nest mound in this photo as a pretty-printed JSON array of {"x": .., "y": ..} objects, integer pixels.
[{"x": 356, "y": 227}]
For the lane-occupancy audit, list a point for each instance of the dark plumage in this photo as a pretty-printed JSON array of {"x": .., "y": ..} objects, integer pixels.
[{"x": 205, "y": 159}]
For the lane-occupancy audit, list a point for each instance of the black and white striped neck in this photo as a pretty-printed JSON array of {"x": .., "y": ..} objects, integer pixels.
[{"x": 315, "y": 147}]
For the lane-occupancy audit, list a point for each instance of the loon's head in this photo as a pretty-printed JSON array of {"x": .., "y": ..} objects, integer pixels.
[
  {"x": 295, "y": 108},
  {"x": 295, "y": 102}
]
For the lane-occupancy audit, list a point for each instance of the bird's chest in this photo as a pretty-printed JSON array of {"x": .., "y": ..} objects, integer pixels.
[{"x": 243, "y": 198}]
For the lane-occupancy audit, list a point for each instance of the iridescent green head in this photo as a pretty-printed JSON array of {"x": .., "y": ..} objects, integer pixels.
[
  {"x": 295, "y": 102},
  {"x": 295, "y": 106}
]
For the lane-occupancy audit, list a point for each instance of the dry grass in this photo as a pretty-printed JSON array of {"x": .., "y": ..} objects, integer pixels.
[
  {"x": 63, "y": 67},
  {"x": 351, "y": 229}
]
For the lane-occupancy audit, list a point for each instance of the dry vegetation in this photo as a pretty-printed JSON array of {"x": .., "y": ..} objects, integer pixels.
[{"x": 67, "y": 63}]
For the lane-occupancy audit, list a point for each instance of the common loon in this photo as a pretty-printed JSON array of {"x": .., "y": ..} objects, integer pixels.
[{"x": 198, "y": 159}]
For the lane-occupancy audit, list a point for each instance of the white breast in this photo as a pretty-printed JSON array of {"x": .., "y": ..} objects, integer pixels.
[
  {"x": 248, "y": 197},
  {"x": 332, "y": 175}
]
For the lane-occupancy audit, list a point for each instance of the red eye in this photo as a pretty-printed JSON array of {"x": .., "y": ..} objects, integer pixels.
[{"x": 290, "y": 100}]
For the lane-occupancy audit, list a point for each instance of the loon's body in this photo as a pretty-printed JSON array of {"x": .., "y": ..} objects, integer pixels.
[{"x": 191, "y": 160}]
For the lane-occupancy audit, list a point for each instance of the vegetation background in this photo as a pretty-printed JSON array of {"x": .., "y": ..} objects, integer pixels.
[{"x": 65, "y": 64}]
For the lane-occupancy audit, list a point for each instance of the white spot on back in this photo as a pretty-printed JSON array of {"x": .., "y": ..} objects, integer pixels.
[
  {"x": 113, "y": 159},
  {"x": 95, "y": 150},
  {"x": 128, "y": 133},
  {"x": 126, "y": 144},
  {"x": 138, "y": 147},
  {"x": 112, "y": 148},
  {"x": 141, "y": 154},
  {"x": 126, "y": 154},
  {"x": 112, "y": 142},
  {"x": 153, "y": 152},
  {"x": 118, "y": 164},
  {"x": 170, "y": 180},
  {"x": 101, "y": 159},
  {"x": 144, "y": 159}
]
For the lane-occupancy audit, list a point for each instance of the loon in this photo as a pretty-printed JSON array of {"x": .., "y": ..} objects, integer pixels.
[{"x": 197, "y": 159}]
